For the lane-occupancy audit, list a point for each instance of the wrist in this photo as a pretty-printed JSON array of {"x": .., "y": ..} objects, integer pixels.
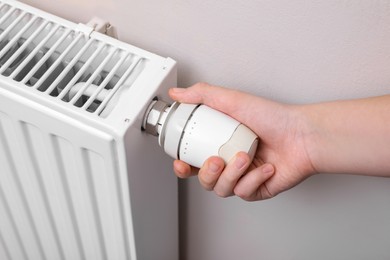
[{"x": 310, "y": 133}]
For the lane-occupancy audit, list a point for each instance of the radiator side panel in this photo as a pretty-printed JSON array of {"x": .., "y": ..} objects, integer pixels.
[
  {"x": 60, "y": 192},
  {"x": 153, "y": 188}
]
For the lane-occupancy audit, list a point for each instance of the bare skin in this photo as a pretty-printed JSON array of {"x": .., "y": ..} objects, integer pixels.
[{"x": 296, "y": 141}]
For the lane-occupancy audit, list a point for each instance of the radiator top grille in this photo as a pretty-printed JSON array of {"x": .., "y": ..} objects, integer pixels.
[{"x": 64, "y": 63}]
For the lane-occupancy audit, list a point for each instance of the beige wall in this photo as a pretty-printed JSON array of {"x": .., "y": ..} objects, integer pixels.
[{"x": 296, "y": 51}]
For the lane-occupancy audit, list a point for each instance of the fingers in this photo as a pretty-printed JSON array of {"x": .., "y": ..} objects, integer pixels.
[
  {"x": 231, "y": 174},
  {"x": 210, "y": 172},
  {"x": 183, "y": 170},
  {"x": 252, "y": 186},
  {"x": 214, "y": 176},
  {"x": 231, "y": 179}
]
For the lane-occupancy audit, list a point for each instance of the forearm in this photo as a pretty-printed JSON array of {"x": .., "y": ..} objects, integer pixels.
[{"x": 349, "y": 136}]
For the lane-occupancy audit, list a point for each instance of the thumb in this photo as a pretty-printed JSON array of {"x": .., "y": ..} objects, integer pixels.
[{"x": 231, "y": 102}]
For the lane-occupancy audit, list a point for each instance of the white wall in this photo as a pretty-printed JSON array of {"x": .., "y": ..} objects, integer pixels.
[{"x": 295, "y": 51}]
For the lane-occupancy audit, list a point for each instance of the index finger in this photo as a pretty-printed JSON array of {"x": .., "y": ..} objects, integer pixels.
[{"x": 184, "y": 170}]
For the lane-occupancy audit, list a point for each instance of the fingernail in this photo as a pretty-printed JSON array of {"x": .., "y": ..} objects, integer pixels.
[
  {"x": 213, "y": 167},
  {"x": 178, "y": 90},
  {"x": 267, "y": 169},
  {"x": 240, "y": 162}
]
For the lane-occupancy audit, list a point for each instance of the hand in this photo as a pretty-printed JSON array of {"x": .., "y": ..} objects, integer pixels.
[{"x": 281, "y": 160}]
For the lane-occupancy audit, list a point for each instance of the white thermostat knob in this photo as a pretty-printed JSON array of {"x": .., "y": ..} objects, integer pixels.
[{"x": 192, "y": 133}]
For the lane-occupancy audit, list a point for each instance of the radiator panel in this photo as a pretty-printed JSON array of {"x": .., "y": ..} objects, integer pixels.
[
  {"x": 76, "y": 178},
  {"x": 60, "y": 192}
]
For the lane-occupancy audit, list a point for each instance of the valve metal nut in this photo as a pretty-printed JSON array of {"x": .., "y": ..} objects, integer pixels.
[{"x": 153, "y": 116}]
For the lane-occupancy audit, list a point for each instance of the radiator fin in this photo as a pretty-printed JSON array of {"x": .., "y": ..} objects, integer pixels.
[
  {"x": 63, "y": 63},
  {"x": 14, "y": 198},
  {"x": 63, "y": 202}
]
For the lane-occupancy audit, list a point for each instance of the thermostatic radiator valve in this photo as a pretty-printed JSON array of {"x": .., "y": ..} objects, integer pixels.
[{"x": 192, "y": 132}]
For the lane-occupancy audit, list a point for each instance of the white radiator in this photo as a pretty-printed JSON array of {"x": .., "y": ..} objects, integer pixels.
[{"x": 78, "y": 179}]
